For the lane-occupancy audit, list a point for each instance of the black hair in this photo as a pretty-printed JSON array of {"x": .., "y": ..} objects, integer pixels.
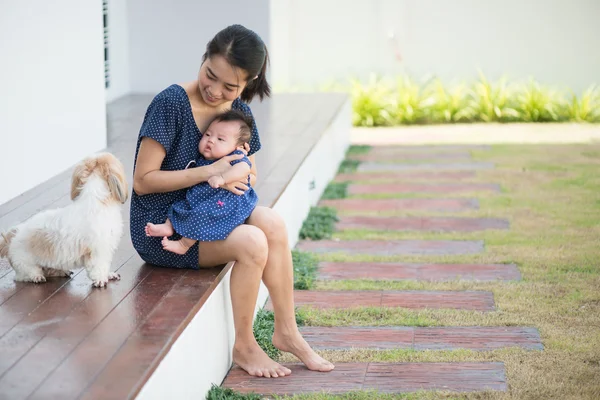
[
  {"x": 245, "y": 123},
  {"x": 243, "y": 48}
]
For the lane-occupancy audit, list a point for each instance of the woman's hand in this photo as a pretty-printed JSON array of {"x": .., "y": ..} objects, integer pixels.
[
  {"x": 224, "y": 164},
  {"x": 238, "y": 188}
]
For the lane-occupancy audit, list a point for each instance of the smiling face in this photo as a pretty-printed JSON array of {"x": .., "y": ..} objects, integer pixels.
[
  {"x": 220, "y": 139},
  {"x": 219, "y": 82}
]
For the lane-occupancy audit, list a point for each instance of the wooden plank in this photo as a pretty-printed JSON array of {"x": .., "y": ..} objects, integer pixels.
[
  {"x": 45, "y": 347},
  {"x": 123, "y": 376}
]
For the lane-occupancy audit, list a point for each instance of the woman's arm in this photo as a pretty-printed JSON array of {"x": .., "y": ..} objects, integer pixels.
[{"x": 148, "y": 177}]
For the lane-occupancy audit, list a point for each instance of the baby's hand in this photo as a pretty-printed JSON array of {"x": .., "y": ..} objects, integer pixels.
[{"x": 216, "y": 181}]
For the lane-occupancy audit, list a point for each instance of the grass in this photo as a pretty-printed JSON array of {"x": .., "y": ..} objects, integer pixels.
[
  {"x": 305, "y": 269},
  {"x": 551, "y": 195}
]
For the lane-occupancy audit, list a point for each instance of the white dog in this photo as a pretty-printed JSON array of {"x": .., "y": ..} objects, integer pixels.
[{"x": 84, "y": 233}]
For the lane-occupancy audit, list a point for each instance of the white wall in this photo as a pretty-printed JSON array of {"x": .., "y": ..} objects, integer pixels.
[
  {"x": 167, "y": 38},
  {"x": 52, "y": 101},
  {"x": 118, "y": 50},
  {"x": 555, "y": 41}
]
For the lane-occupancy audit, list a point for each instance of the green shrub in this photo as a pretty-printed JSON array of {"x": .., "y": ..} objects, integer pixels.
[
  {"x": 586, "y": 108},
  {"x": 358, "y": 149},
  {"x": 491, "y": 101},
  {"x": 335, "y": 190},
  {"x": 319, "y": 224},
  {"x": 370, "y": 103},
  {"x": 451, "y": 104},
  {"x": 380, "y": 102},
  {"x": 535, "y": 103},
  {"x": 412, "y": 103},
  {"x": 348, "y": 166},
  {"x": 305, "y": 269}
]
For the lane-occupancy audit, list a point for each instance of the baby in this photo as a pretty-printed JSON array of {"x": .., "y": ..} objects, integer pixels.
[{"x": 208, "y": 212}]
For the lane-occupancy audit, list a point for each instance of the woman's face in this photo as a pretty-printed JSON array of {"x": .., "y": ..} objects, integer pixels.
[{"x": 219, "y": 82}]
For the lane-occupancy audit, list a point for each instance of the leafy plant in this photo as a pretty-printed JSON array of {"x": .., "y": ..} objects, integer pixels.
[
  {"x": 451, "y": 104},
  {"x": 370, "y": 103},
  {"x": 219, "y": 393},
  {"x": 586, "y": 108},
  {"x": 335, "y": 190},
  {"x": 319, "y": 224},
  {"x": 305, "y": 269},
  {"x": 535, "y": 103},
  {"x": 412, "y": 103},
  {"x": 490, "y": 101}
]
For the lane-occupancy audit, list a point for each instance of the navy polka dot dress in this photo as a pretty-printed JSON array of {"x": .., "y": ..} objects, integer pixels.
[
  {"x": 169, "y": 121},
  {"x": 208, "y": 214}
]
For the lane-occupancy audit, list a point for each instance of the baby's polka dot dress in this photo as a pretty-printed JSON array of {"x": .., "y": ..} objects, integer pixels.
[{"x": 208, "y": 214}]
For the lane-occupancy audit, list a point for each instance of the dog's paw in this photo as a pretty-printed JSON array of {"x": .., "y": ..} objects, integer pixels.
[
  {"x": 38, "y": 279},
  {"x": 113, "y": 276},
  {"x": 100, "y": 283}
]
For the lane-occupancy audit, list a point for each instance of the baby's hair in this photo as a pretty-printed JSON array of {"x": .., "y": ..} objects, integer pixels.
[{"x": 245, "y": 124}]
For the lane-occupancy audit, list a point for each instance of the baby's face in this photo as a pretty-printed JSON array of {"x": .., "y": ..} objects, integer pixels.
[{"x": 220, "y": 139}]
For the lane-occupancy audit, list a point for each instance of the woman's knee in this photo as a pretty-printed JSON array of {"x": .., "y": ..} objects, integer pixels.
[
  {"x": 271, "y": 223},
  {"x": 251, "y": 244}
]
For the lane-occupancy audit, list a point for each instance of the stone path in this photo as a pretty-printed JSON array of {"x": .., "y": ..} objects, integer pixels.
[
  {"x": 441, "y": 171},
  {"x": 421, "y": 272}
]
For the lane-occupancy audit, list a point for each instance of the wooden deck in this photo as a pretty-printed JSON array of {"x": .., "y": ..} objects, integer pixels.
[{"x": 64, "y": 339}]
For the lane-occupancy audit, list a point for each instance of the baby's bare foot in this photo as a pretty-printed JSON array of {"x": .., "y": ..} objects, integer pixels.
[
  {"x": 174, "y": 246},
  {"x": 252, "y": 359},
  {"x": 158, "y": 229},
  {"x": 295, "y": 344}
]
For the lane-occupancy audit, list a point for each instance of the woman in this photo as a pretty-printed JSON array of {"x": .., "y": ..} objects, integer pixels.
[{"x": 232, "y": 73}]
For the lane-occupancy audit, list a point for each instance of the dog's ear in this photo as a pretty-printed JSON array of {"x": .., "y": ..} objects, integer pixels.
[
  {"x": 80, "y": 174},
  {"x": 118, "y": 186}
]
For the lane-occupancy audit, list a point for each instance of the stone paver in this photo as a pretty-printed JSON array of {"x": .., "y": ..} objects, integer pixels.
[
  {"x": 429, "y": 149},
  {"x": 411, "y": 156},
  {"x": 417, "y": 299},
  {"x": 443, "y": 188},
  {"x": 433, "y": 205},
  {"x": 405, "y": 175},
  {"x": 393, "y": 247},
  {"x": 429, "y": 224},
  {"x": 422, "y": 338},
  {"x": 422, "y": 272},
  {"x": 445, "y": 166},
  {"x": 383, "y": 377}
]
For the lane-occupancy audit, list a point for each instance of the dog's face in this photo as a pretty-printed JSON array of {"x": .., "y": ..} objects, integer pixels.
[{"x": 107, "y": 167}]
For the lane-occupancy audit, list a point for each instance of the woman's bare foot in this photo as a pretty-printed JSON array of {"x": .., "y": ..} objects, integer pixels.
[
  {"x": 159, "y": 230},
  {"x": 175, "y": 246},
  {"x": 295, "y": 344},
  {"x": 252, "y": 359}
]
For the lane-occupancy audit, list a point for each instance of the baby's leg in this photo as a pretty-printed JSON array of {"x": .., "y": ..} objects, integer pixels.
[
  {"x": 165, "y": 229},
  {"x": 180, "y": 246}
]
